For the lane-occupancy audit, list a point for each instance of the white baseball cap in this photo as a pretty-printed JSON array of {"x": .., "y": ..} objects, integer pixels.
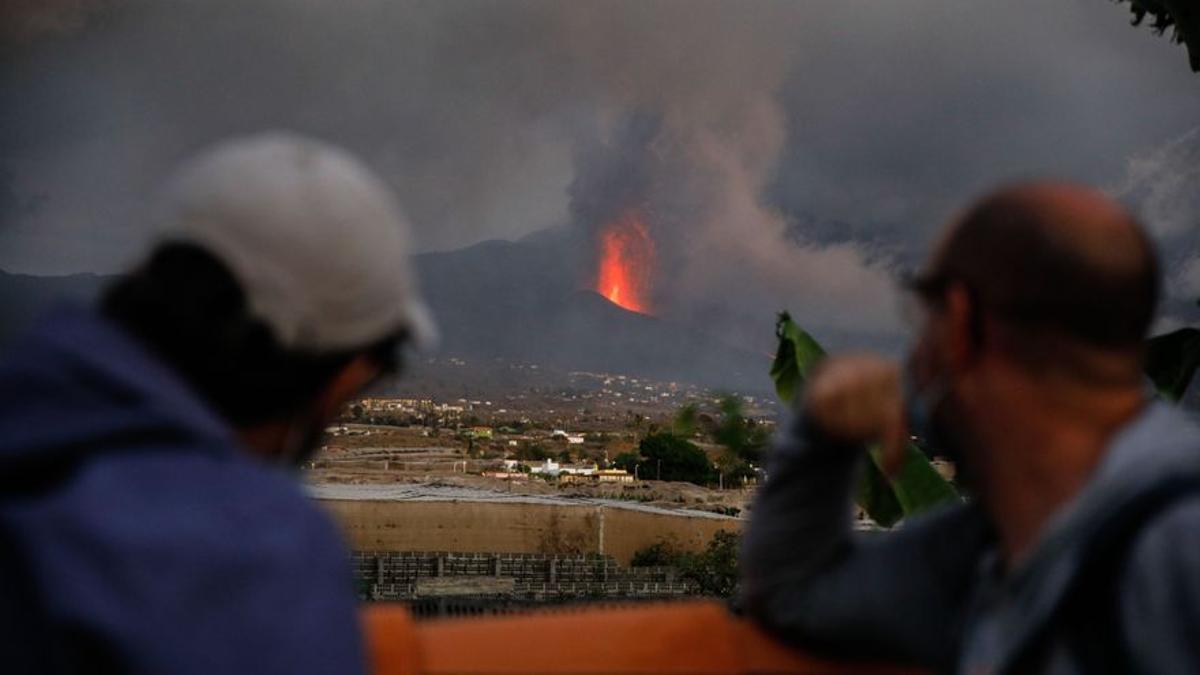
[{"x": 314, "y": 238}]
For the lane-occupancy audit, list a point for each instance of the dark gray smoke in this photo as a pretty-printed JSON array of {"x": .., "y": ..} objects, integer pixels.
[
  {"x": 749, "y": 132},
  {"x": 1163, "y": 186}
]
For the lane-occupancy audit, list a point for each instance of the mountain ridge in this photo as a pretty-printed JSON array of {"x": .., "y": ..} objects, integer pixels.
[{"x": 523, "y": 301}]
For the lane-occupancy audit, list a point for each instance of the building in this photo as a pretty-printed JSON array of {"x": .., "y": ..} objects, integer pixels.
[
  {"x": 480, "y": 432},
  {"x": 613, "y": 476},
  {"x": 509, "y": 475}
]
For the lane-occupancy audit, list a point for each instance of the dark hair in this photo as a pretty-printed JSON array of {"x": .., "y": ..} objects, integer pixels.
[{"x": 187, "y": 308}]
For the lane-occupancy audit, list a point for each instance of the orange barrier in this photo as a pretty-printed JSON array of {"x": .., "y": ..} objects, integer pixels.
[{"x": 699, "y": 638}]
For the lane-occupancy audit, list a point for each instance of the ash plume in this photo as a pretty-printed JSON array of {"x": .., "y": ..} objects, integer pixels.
[
  {"x": 1160, "y": 185},
  {"x": 565, "y": 111},
  {"x": 747, "y": 132}
]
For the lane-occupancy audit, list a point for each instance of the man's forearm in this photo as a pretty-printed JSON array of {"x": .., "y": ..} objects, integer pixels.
[
  {"x": 802, "y": 517},
  {"x": 808, "y": 577}
]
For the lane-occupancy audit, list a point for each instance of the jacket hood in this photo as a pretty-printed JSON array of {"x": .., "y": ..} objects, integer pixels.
[{"x": 78, "y": 382}]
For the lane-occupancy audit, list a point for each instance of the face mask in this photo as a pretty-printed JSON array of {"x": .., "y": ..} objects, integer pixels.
[
  {"x": 301, "y": 443},
  {"x": 920, "y": 406}
]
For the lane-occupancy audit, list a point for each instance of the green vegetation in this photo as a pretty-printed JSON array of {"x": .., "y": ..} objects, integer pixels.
[
  {"x": 1181, "y": 15},
  {"x": 714, "y": 571},
  {"x": 1172, "y": 360},
  {"x": 686, "y": 421},
  {"x": 664, "y": 456},
  {"x": 627, "y": 461},
  {"x": 917, "y": 486},
  {"x": 744, "y": 440}
]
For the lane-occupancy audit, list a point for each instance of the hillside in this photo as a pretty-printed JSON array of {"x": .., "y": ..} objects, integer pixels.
[{"x": 521, "y": 301}]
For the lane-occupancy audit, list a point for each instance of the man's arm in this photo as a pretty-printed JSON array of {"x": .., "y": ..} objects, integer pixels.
[{"x": 814, "y": 582}]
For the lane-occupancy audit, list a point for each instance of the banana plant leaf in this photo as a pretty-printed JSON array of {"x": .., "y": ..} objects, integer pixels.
[
  {"x": 917, "y": 486},
  {"x": 876, "y": 496},
  {"x": 795, "y": 357},
  {"x": 1172, "y": 360}
]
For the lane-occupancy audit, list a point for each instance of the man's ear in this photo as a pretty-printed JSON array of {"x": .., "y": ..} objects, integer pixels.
[
  {"x": 348, "y": 383},
  {"x": 960, "y": 342}
]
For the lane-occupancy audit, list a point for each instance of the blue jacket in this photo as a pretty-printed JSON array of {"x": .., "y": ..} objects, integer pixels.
[
  {"x": 931, "y": 592},
  {"x": 166, "y": 548}
]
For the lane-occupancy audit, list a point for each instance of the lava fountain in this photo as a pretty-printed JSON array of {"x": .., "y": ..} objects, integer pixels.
[{"x": 626, "y": 262}]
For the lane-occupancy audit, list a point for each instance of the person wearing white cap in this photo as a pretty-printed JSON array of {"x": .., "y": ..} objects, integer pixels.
[{"x": 146, "y": 519}]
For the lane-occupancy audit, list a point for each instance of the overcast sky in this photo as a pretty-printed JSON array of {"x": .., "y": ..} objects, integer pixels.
[{"x": 868, "y": 123}]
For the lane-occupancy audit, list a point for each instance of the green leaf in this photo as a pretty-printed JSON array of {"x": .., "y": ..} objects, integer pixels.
[
  {"x": 917, "y": 487},
  {"x": 876, "y": 496},
  {"x": 795, "y": 357},
  {"x": 1172, "y": 360}
]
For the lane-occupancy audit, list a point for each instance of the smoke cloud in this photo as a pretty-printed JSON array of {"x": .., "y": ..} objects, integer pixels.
[
  {"x": 785, "y": 155},
  {"x": 1161, "y": 186}
]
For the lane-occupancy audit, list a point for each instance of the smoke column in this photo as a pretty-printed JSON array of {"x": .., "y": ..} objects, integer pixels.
[{"x": 504, "y": 117}]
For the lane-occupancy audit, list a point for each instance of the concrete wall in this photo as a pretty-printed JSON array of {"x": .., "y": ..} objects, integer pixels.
[{"x": 515, "y": 527}]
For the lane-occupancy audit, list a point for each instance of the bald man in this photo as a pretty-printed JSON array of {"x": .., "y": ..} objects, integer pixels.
[{"x": 1079, "y": 551}]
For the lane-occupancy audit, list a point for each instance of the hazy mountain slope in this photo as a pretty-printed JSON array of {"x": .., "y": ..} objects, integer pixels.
[{"x": 522, "y": 301}]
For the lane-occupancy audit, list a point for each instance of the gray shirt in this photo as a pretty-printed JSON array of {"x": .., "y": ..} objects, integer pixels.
[{"x": 930, "y": 592}]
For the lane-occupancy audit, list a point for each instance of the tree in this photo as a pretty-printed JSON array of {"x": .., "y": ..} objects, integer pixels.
[
  {"x": 741, "y": 435},
  {"x": 1182, "y": 16},
  {"x": 666, "y": 456},
  {"x": 685, "y": 421},
  {"x": 744, "y": 440},
  {"x": 627, "y": 461}
]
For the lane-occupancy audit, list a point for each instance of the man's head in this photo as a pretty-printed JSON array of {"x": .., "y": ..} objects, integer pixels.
[
  {"x": 1038, "y": 289},
  {"x": 279, "y": 286}
]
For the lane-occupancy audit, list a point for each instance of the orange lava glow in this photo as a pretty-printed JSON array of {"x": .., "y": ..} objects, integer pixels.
[{"x": 626, "y": 262}]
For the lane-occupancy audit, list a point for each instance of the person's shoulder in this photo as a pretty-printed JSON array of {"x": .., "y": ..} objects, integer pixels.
[
  {"x": 191, "y": 557},
  {"x": 1167, "y": 544},
  {"x": 223, "y": 505},
  {"x": 1160, "y": 590},
  {"x": 1159, "y": 575}
]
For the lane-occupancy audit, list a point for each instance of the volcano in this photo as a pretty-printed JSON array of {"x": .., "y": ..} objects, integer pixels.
[
  {"x": 626, "y": 262},
  {"x": 521, "y": 301}
]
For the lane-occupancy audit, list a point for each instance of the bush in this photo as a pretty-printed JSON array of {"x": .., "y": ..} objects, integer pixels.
[
  {"x": 655, "y": 555},
  {"x": 713, "y": 571}
]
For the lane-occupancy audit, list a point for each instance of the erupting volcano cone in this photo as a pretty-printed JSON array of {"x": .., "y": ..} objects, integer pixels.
[{"x": 626, "y": 262}]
